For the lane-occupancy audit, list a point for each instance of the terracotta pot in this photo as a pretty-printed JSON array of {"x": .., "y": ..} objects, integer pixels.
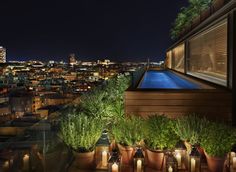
[
  {"x": 154, "y": 158},
  {"x": 215, "y": 164},
  {"x": 112, "y": 145},
  {"x": 205, "y": 14},
  {"x": 217, "y": 4},
  {"x": 127, "y": 153},
  {"x": 85, "y": 160},
  {"x": 202, "y": 153}
]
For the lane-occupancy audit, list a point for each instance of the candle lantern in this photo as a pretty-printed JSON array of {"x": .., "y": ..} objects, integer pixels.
[
  {"x": 194, "y": 160},
  {"x": 171, "y": 164},
  {"x": 231, "y": 160},
  {"x": 114, "y": 162},
  {"x": 4, "y": 165},
  {"x": 230, "y": 157},
  {"x": 180, "y": 154},
  {"x": 138, "y": 161},
  {"x": 26, "y": 158},
  {"x": 102, "y": 151}
]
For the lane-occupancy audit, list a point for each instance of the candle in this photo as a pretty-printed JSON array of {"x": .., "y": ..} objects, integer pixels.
[
  {"x": 234, "y": 162},
  {"x": 6, "y": 166},
  {"x": 232, "y": 155},
  {"x": 26, "y": 162},
  {"x": 139, "y": 166},
  {"x": 114, "y": 168},
  {"x": 193, "y": 164},
  {"x": 104, "y": 158},
  {"x": 178, "y": 158},
  {"x": 170, "y": 169}
]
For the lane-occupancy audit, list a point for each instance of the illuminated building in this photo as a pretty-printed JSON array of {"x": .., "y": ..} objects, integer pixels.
[
  {"x": 2, "y": 55},
  {"x": 72, "y": 59}
]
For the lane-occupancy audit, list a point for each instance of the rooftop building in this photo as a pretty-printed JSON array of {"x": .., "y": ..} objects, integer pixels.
[{"x": 2, "y": 55}]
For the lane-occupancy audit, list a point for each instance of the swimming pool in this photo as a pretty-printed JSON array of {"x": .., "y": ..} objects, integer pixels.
[{"x": 165, "y": 80}]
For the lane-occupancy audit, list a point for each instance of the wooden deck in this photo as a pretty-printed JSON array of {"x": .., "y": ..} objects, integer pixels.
[
  {"x": 215, "y": 104},
  {"x": 73, "y": 168}
]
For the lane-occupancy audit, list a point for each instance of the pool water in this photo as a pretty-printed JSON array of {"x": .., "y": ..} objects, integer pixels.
[{"x": 165, "y": 80}]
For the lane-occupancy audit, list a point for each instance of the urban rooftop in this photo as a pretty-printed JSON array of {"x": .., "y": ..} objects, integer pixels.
[{"x": 174, "y": 115}]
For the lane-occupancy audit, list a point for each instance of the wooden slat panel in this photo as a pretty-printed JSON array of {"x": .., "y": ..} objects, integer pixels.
[
  {"x": 214, "y": 116},
  {"x": 206, "y": 109},
  {"x": 177, "y": 96},
  {"x": 173, "y": 102}
]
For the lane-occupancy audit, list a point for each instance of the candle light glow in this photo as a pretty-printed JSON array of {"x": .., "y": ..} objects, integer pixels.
[
  {"x": 234, "y": 162},
  {"x": 170, "y": 169},
  {"x": 139, "y": 166},
  {"x": 193, "y": 165},
  {"x": 26, "y": 162},
  {"x": 114, "y": 168},
  {"x": 104, "y": 158},
  {"x": 178, "y": 158}
]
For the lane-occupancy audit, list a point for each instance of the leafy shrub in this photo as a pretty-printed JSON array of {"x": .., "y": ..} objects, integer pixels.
[
  {"x": 106, "y": 101},
  {"x": 189, "y": 128},
  {"x": 187, "y": 14},
  {"x": 94, "y": 104},
  {"x": 159, "y": 133},
  {"x": 80, "y": 132},
  {"x": 217, "y": 139},
  {"x": 129, "y": 131}
]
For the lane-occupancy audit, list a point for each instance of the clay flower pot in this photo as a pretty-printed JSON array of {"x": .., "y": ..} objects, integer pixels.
[
  {"x": 215, "y": 164},
  {"x": 85, "y": 160},
  {"x": 154, "y": 158},
  {"x": 217, "y": 4},
  {"x": 127, "y": 153}
]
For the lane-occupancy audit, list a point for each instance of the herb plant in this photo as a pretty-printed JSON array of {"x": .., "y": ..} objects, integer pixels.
[
  {"x": 217, "y": 139},
  {"x": 189, "y": 127},
  {"x": 80, "y": 132},
  {"x": 129, "y": 131},
  {"x": 159, "y": 133}
]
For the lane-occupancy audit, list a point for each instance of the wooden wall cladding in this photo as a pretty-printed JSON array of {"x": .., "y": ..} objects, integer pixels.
[{"x": 214, "y": 104}]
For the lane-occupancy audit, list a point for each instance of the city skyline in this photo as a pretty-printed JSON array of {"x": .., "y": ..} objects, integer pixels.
[{"x": 120, "y": 31}]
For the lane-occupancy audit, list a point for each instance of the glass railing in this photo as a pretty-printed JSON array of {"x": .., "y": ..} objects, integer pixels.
[{"x": 38, "y": 149}]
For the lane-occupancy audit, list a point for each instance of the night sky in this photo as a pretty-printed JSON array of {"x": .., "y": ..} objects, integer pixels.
[{"x": 121, "y": 30}]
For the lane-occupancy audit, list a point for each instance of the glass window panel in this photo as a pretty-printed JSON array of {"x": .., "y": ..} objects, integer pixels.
[
  {"x": 208, "y": 54},
  {"x": 168, "y": 59},
  {"x": 178, "y": 58}
]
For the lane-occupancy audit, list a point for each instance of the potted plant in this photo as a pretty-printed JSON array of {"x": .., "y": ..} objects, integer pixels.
[
  {"x": 188, "y": 128},
  {"x": 128, "y": 132},
  {"x": 159, "y": 135},
  {"x": 81, "y": 133},
  {"x": 217, "y": 140}
]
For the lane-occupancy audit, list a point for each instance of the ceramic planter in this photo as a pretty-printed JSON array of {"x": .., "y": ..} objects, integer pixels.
[
  {"x": 85, "y": 160},
  {"x": 154, "y": 158},
  {"x": 215, "y": 164},
  {"x": 127, "y": 153}
]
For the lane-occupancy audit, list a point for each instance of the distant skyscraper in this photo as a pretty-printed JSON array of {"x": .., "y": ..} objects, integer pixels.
[
  {"x": 2, "y": 55},
  {"x": 72, "y": 59}
]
